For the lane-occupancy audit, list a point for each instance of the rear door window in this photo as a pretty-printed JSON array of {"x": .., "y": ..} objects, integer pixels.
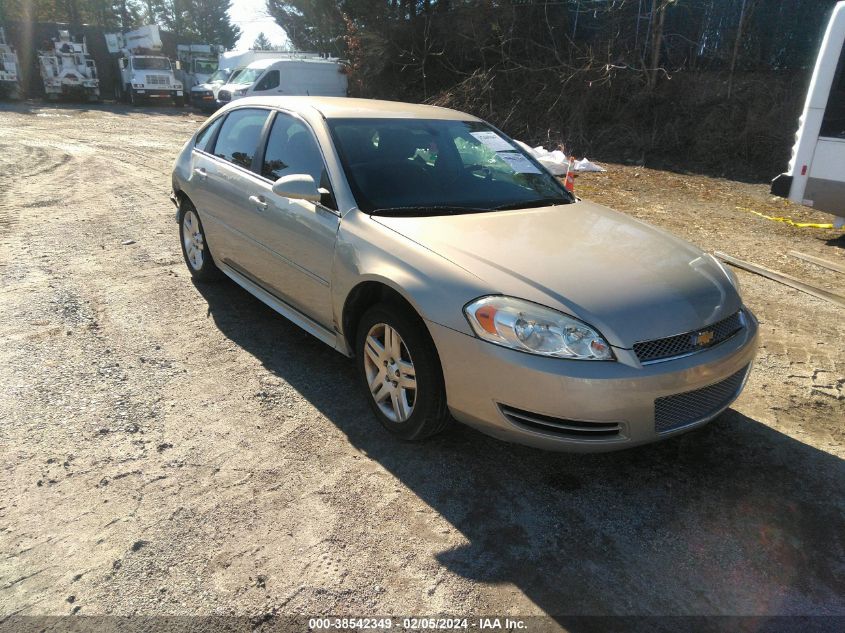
[
  {"x": 204, "y": 138},
  {"x": 239, "y": 136}
]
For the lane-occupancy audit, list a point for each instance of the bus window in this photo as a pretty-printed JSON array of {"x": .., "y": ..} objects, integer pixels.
[{"x": 833, "y": 124}]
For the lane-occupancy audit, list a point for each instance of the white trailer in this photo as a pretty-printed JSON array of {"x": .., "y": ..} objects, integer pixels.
[
  {"x": 67, "y": 70},
  {"x": 242, "y": 59},
  {"x": 144, "y": 73},
  {"x": 816, "y": 173},
  {"x": 10, "y": 83}
]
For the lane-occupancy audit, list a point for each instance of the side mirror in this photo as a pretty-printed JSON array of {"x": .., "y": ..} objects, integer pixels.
[
  {"x": 122, "y": 63},
  {"x": 297, "y": 187},
  {"x": 178, "y": 65}
]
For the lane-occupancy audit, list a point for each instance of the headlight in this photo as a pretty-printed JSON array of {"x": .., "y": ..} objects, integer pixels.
[{"x": 529, "y": 327}]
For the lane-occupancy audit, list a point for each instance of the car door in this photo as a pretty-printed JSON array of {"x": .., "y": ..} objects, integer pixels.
[
  {"x": 229, "y": 181},
  {"x": 299, "y": 235},
  {"x": 203, "y": 164}
]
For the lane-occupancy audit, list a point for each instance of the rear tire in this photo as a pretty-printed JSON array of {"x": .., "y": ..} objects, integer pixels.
[
  {"x": 400, "y": 372},
  {"x": 194, "y": 245}
]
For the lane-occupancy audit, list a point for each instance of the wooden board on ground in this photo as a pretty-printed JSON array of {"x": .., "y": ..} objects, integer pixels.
[
  {"x": 783, "y": 278},
  {"x": 818, "y": 261}
]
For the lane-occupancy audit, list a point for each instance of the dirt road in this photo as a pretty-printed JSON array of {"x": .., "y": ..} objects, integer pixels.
[{"x": 169, "y": 448}]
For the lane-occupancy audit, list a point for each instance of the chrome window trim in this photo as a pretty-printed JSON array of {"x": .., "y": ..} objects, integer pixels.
[{"x": 250, "y": 172}]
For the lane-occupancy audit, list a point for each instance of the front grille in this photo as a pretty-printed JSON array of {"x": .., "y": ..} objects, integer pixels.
[
  {"x": 679, "y": 410},
  {"x": 158, "y": 80},
  {"x": 558, "y": 426},
  {"x": 224, "y": 96},
  {"x": 681, "y": 344}
]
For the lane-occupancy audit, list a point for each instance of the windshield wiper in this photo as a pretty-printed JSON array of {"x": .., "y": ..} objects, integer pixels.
[
  {"x": 426, "y": 211},
  {"x": 528, "y": 204}
]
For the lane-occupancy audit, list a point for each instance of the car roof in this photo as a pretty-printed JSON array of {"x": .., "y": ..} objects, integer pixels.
[{"x": 349, "y": 108}]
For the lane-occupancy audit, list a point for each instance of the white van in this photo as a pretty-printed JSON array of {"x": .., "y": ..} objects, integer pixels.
[
  {"x": 316, "y": 77},
  {"x": 816, "y": 175}
]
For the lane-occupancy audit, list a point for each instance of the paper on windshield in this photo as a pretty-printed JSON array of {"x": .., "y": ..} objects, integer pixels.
[
  {"x": 519, "y": 163},
  {"x": 493, "y": 141}
]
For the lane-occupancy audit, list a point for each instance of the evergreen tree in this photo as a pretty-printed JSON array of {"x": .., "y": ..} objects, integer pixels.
[
  {"x": 262, "y": 43},
  {"x": 313, "y": 25},
  {"x": 174, "y": 16},
  {"x": 209, "y": 21}
]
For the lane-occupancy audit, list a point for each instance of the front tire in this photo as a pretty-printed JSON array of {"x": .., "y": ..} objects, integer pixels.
[
  {"x": 400, "y": 371},
  {"x": 194, "y": 246}
]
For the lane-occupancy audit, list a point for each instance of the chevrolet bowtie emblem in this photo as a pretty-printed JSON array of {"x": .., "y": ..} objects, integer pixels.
[{"x": 700, "y": 339}]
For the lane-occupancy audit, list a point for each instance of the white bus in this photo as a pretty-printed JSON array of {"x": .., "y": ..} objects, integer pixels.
[{"x": 816, "y": 175}]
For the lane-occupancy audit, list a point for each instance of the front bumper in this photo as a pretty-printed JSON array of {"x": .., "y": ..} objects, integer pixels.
[
  {"x": 481, "y": 378},
  {"x": 155, "y": 93},
  {"x": 204, "y": 100}
]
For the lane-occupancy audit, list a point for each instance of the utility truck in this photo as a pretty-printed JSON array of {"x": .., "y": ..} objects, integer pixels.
[
  {"x": 198, "y": 62},
  {"x": 816, "y": 174},
  {"x": 67, "y": 70},
  {"x": 10, "y": 85},
  {"x": 144, "y": 73}
]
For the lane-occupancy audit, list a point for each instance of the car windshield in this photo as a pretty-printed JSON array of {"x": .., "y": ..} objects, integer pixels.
[
  {"x": 221, "y": 75},
  {"x": 151, "y": 63},
  {"x": 432, "y": 167},
  {"x": 205, "y": 66},
  {"x": 235, "y": 74},
  {"x": 247, "y": 76}
]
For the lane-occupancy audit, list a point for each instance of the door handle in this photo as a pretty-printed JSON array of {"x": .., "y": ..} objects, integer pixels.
[
  {"x": 200, "y": 171},
  {"x": 259, "y": 202}
]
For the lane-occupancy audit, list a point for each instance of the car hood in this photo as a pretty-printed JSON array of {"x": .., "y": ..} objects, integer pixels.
[{"x": 632, "y": 281}]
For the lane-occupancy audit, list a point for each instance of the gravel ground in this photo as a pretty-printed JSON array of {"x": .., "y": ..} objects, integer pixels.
[{"x": 170, "y": 448}]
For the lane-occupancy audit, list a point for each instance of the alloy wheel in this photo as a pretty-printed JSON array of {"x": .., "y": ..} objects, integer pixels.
[
  {"x": 390, "y": 372},
  {"x": 193, "y": 239}
]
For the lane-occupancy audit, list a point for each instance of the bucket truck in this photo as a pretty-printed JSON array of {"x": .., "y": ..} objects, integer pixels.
[
  {"x": 67, "y": 70},
  {"x": 144, "y": 72},
  {"x": 9, "y": 79}
]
